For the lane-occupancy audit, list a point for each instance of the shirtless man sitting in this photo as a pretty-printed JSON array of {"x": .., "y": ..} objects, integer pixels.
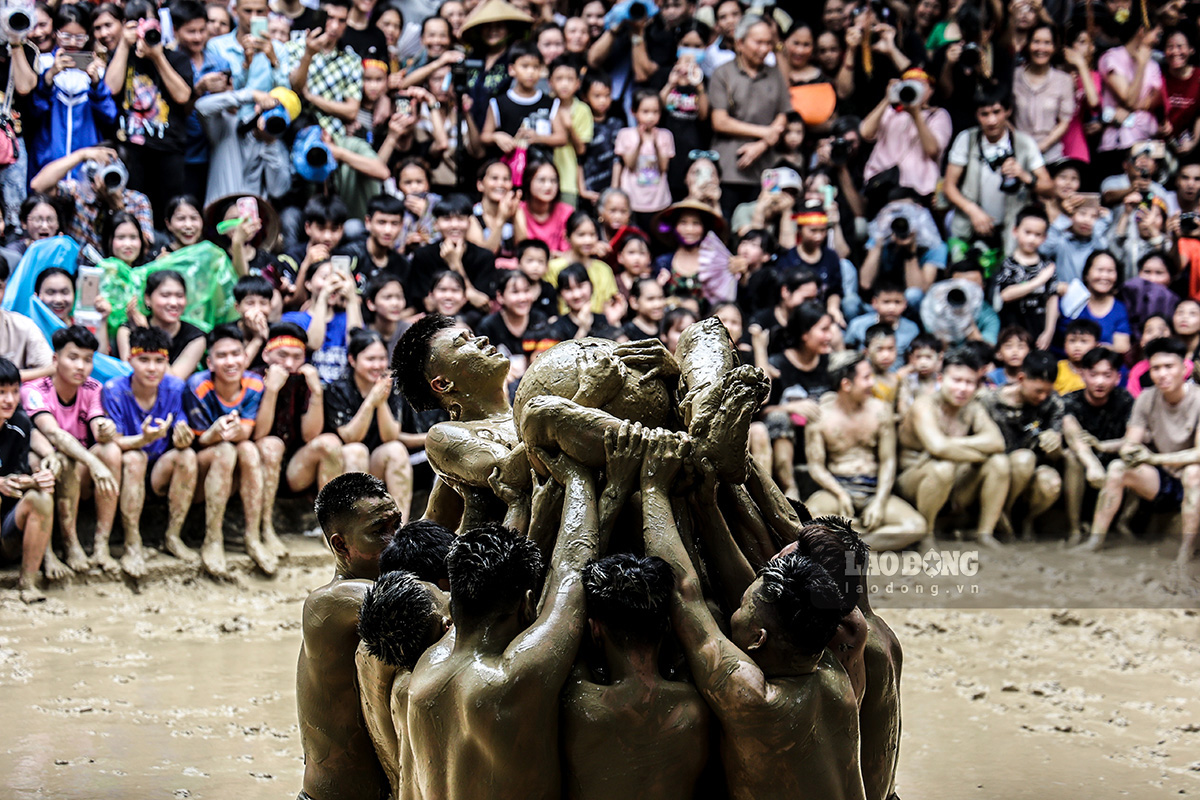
[
  {"x": 951, "y": 450},
  {"x": 483, "y": 715},
  {"x": 357, "y": 516},
  {"x": 851, "y": 453},
  {"x": 401, "y": 617},
  {"x": 657, "y": 728},
  {"x": 772, "y": 676}
]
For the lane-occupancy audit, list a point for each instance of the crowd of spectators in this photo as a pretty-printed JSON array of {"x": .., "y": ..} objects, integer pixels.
[{"x": 1008, "y": 188}]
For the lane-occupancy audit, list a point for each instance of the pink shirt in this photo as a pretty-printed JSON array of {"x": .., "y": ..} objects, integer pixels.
[
  {"x": 553, "y": 231},
  {"x": 898, "y": 145},
  {"x": 1118, "y": 61},
  {"x": 646, "y": 185},
  {"x": 40, "y": 397}
]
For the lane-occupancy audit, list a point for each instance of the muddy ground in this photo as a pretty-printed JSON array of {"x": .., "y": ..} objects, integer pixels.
[{"x": 184, "y": 688}]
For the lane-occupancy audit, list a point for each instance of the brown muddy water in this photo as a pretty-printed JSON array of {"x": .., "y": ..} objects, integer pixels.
[{"x": 185, "y": 689}]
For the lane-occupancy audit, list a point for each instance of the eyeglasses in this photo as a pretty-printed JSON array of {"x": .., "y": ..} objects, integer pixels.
[
  {"x": 72, "y": 38},
  {"x": 42, "y": 220}
]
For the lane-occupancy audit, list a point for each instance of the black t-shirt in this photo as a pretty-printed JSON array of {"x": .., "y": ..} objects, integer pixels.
[
  {"x": 365, "y": 267},
  {"x": 765, "y": 319},
  {"x": 1106, "y": 422},
  {"x": 492, "y": 326},
  {"x": 342, "y": 401},
  {"x": 149, "y": 117},
  {"x": 290, "y": 406},
  {"x": 562, "y": 329},
  {"x": 636, "y": 334},
  {"x": 796, "y": 384},
  {"x": 14, "y": 452},
  {"x": 368, "y": 43},
  {"x": 1022, "y": 425},
  {"x": 479, "y": 264}
]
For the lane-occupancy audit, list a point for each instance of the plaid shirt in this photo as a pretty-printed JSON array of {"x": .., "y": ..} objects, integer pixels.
[
  {"x": 88, "y": 222},
  {"x": 336, "y": 76}
]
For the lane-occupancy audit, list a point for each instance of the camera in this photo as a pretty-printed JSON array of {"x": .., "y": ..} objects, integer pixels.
[
  {"x": 1189, "y": 224},
  {"x": 1008, "y": 185},
  {"x": 956, "y": 298},
  {"x": 275, "y": 121},
  {"x": 906, "y": 93},
  {"x": 839, "y": 151},
  {"x": 150, "y": 32},
  {"x": 114, "y": 176},
  {"x": 629, "y": 10},
  {"x": 901, "y": 228},
  {"x": 460, "y": 73},
  {"x": 969, "y": 60},
  {"x": 16, "y": 21}
]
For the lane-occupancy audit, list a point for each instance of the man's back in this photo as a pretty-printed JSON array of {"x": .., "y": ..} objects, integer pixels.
[
  {"x": 879, "y": 713},
  {"x": 657, "y": 732}
]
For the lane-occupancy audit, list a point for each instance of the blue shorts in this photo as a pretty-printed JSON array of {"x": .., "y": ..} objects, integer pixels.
[{"x": 1170, "y": 491}]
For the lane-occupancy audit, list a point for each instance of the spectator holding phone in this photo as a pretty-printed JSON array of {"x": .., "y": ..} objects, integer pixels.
[{"x": 255, "y": 61}]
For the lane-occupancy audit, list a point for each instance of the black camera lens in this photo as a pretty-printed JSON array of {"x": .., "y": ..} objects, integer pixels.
[
  {"x": 957, "y": 298},
  {"x": 637, "y": 11},
  {"x": 900, "y": 228},
  {"x": 112, "y": 178},
  {"x": 275, "y": 125},
  {"x": 969, "y": 59},
  {"x": 316, "y": 157},
  {"x": 20, "y": 21},
  {"x": 153, "y": 37}
]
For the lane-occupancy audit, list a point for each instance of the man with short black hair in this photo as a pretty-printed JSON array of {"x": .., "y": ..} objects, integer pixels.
[
  {"x": 1029, "y": 414},
  {"x": 324, "y": 224},
  {"x": 326, "y": 74},
  {"x": 377, "y": 253},
  {"x": 1167, "y": 419},
  {"x": 420, "y": 547},
  {"x": 477, "y": 265},
  {"x": 66, "y": 408}
]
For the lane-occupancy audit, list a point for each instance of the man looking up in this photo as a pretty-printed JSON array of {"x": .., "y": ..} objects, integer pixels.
[
  {"x": 657, "y": 727},
  {"x": 851, "y": 452},
  {"x": 154, "y": 437},
  {"x": 289, "y": 424},
  {"x": 222, "y": 404},
  {"x": 327, "y": 76},
  {"x": 502, "y": 678},
  {"x": 772, "y": 676},
  {"x": 357, "y": 516},
  {"x": 951, "y": 450},
  {"x": 27, "y": 507},
  {"x": 66, "y": 408},
  {"x": 1166, "y": 418}
]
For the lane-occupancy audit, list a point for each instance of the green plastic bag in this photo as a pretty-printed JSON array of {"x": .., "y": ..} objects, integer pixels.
[{"x": 206, "y": 268}]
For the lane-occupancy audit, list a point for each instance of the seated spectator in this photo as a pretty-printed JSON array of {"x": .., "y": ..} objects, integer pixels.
[
  {"x": 1081, "y": 230},
  {"x": 21, "y": 341},
  {"x": 412, "y": 186},
  {"x": 909, "y": 138},
  {"x": 222, "y": 405},
  {"x": 94, "y": 200},
  {"x": 769, "y": 325},
  {"x": 492, "y": 217},
  {"x": 693, "y": 233},
  {"x": 185, "y": 223},
  {"x": 377, "y": 253},
  {"x": 452, "y": 251},
  {"x": 881, "y": 355},
  {"x": 55, "y": 287},
  {"x": 508, "y": 328},
  {"x": 448, "y": 297},
  {"x": 888, "y": 306},
  {"x": 533, "y": 261},
  {"x": 811, "y": 252},
  {"x": 65, "y": 406},
  {"x": 1081, "y": 337},
  {"x": 1139, "y": 374},
  {"x": 289, "y": 428},
  {"x": 166, "y": 300},
  {"x": 1185, "y": 322},
  {"x": 156, "y": 448},
  {"x": 673, "y": 324},
  {"x": 1142, "y": 166},
  {"x": 325, "y": 73},
  {"x": 579, "y": 321},
  {"x": 1102, "y": 279},
  {"x": 647, "y": 306},
  {"x": 328, "y": 318},
  {"x": 954, "y": 310},
  {"x": 1012, "y": 345},
  {"x": 1148, "y": 294},
  {"x": 905, "y": 248},
  {"x": 541, "y": 214},
  {"x": 773, "y": 211},
  {"x": 387, "y": 307},
  {"x": 40, "y": 218},
  {"x": 365, "y": 414},
  {"x": 584, "y": 246},
  {"x": 613, "y": 213},
  {"x": 245, "y": 157},
  {"x": 28, "y": 500}
]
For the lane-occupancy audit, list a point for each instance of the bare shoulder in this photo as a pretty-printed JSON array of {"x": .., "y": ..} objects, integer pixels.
[
  {"x": 879, "y": 410},
  {"x": 335, "y": 603}
]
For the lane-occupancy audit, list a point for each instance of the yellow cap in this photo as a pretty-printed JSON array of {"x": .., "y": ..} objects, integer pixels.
[{"x": 288, "y": 99}]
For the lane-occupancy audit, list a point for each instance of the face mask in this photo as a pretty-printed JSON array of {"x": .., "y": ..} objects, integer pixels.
[{"x": 697, "y": 54}]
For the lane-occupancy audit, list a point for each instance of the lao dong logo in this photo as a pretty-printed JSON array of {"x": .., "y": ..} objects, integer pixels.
[{"x": 908, "y": 563}]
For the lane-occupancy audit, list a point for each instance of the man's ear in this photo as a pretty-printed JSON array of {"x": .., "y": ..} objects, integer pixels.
[
  {"x": 759, "y": 641},
  {"x": 441, "y": 385},
  {"x": 338, "y": 543},
  {"x": 594, "y": 629},
  {"x": 529, "y": 605}
]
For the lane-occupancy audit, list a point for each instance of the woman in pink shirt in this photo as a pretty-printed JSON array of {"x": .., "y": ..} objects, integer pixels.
[
  {"x": 1078, "y": 57},
  {"x": 541, "y": 215},
  {"x": 1133, "y": 85},
  {"x": 910, "y": 138}
]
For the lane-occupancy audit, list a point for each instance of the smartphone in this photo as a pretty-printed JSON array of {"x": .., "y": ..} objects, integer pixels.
[
  {"x": 247, "y": 208},
  {"x": 258, "y": 27},
  {"x": 1090, "y": 199},
  {"x": 770, "y": 181},
  {"x": 403, "y": 106},
  {"x": 829, "y": 193},
  {"x": 341, "y": 264},
  {"x": 319, "y": 19},
  {"x": 83, "y": 60},
  {"x": 89, "y": 286}
]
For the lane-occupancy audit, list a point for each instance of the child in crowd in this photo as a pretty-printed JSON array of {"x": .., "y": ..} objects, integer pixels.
[
  {"x": 788, "y": 150},
  {"x": 614, "y": 212},
  {"x": 631, "y": 251},
  {"x": 324, "y": 223},
  {"x": 921, "y": 373},
  {"x": 881, "y": 354},
  {"x": 375, "y": 108},
  {"x": 255, "y": 298},
  {"x": 533, "y": 260},
  {"x": 674, "y": 323},
  {"x": 412, "y": 185},
  {"x": 523, "y": 117},
  {"x": 644, "y": 154},
  {"x": 648, "y": 304},
  {"x": 598, "y": 158},
  {"x": 387, "y": 308},
  {"x": 1074, "y": 236},
  {"x": 55, "y": 287},
  {"x": 334, "y": 311},
  {"x": 377, "y": 252},
  {"x": 888, "y": 305},
  {"x": 1025, "y": 283},
  {"x": 1081, "y": 336},
  {"x": 1012, "y": 345},
  {"x": 583, "y": 242},
  {"x": 492, "y": 217},
  {"x": 576, "y": 120}
]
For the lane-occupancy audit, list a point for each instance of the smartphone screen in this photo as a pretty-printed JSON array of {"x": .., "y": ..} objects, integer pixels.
[
  {"x": 1090, "y": 199},
  {"x": 247, "y": 207},
  {"x": 258, "y": 27}
]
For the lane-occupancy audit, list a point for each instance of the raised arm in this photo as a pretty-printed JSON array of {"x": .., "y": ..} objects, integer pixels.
[{"x": 728, "y": 563}]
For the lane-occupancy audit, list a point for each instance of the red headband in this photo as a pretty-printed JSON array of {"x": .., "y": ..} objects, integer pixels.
[
  {"x": 283, "y": 341},
  {"x": 137, "y": 351}
]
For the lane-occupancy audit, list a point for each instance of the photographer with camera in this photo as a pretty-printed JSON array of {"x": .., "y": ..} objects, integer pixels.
[
  {"x": 964, "y": 66},
  {"x": 873, "y": 57},
  {"x": 909, "y": 137},
  {"x": 153, "y": 89},
  {"x": 904, "y": 249},
  {"x": 97, "y": 195},
  {"x": 1143, "y": 167},
  {"x": 758, "y": 95},
  {"x": 640, "y": 43},
  {"x": 992, "y": 172}
]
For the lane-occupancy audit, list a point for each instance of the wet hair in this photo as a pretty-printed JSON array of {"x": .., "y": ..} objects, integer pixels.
[
  {"x": 326, "y": 211},
  {"x": 453, "y": 205},
  {"x": 805, "y": 600},
  {"x": 33, "y": 201},
  {"x": 962, "y": 357},
  {"x": 1083, "y": 327},
  {"x": 573, "y": 273},
  {"x": 395, "y": 619},
  {"x": 844, "y": 367},
  {"x": 287, "y": 329},
  {"x": 411, "y": 357},
  {"x": 880, "y": 330},
  {"x": 1168, "y": 345},
  {"x": 526, "y": 245},
  {"x": 828, "y": 541},
  {"x": 1014, "y": 332},
  {"x": 1098, "y": 354},
  {"x": 361, "y": 339},
  {"x": 577, "y": 220},
  {"x": 1040, "y": 365},
  {"x": 77, "y": 335},
  {"x": 230, "y": 330},
  {"x": 185, "y": 11},
  {"x": 155, "y": 280},
  {"x": 149, "y": 338},
  {"x": 803, "y": 319},
  {"x": 252, "y": 286},
  {"x": 631, "y": 596},
  {"x": 420, "y": 547},
  {"x": 9, "y": 374},
  {"x": 340, "y": 496},
  {"x": 50, "y": 272},
  {"x": 385, "y": 204},
  {"x": 491, "y": 568}
]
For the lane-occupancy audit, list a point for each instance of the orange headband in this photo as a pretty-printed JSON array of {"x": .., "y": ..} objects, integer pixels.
[
  {"x": 812, "y": 218},
  {"x": 137, "y": 351},
  {"x": 283, "y": 341},
  {"x": 368, "y": 63}
]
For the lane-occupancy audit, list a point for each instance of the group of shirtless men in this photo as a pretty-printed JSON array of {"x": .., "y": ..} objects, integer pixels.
[{"x": 605, "y": 590}]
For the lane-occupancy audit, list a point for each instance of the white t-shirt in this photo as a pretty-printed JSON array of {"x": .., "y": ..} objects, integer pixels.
[{"x": 990, "y": 199}]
